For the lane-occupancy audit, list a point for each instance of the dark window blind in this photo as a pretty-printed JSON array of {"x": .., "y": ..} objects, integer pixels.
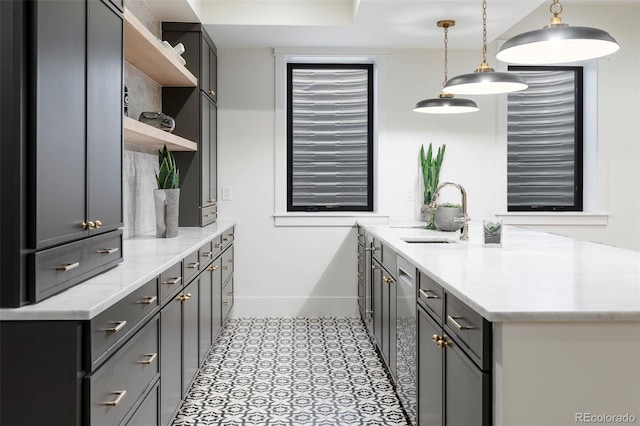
[
  {"x": 544, "y": 142},
  {"x": 330, "y": 141}
]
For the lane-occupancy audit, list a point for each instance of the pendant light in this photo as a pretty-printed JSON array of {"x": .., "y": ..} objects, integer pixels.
[
  {"x": 485, "y": 80},
  {"x": 445, "y": 103},
  {"x": 557, "y": 43}
]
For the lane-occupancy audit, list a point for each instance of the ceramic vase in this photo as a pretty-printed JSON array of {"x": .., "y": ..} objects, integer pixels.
[
  {"x": 167, "y": 202},
  {"x": 445, "y": 218}
]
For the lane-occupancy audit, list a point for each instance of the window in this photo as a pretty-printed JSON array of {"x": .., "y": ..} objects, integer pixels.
[
  {"x": 544, "y": 140},
  {"x": 329, "y": 137}
]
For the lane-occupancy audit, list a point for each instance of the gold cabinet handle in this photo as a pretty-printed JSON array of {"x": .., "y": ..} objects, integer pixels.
[
  {"x": 108, "y": 250},
  {"x": 212, "y": 268},
  {"x": 118, "y": 399},
  {"x": 371, "y": 248},
  {"x": 149, "y": 360},
  {"x": 184, "y": 297},
  {"x": 230, "y": 294},
  {"x": 441, "y": 343},
  {"x": 211, "y": 200},
  {"x": 193, "y": 265},
  {"x": 435, "y": 338},
  {"x": 147, "y": 300},
  {"x": 230, "y": 260},
  {"x": 173, "y": 281},
  {"x": 375, "y": 267},
  {"x": 119, "y": 326},
  {"x": 387, "y": 280},
  {"x": 98, "y": 224},
  {"x": 225, "y": 267},
  {"x": 459, "y": 326},
  {"x": 212, "y": 92},
  {"x": 429, "y": 296},
  {"x": 225, "y": 304},
  {"x": 88, "y": 225},
  {"x": 217, "y": 245},
  {"x": 210, "y": 214},
  {"x": 207, "y": 254},
  {"x": 67, "y": 267}
]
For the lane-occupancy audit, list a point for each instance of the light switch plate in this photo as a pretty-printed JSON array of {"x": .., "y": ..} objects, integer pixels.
[{"x": 226, "y": 193}]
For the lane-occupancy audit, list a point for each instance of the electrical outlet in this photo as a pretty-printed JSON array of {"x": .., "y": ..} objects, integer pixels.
[
  {"x": 226, "y": 193},
  {"x": 410, "y": 196}
]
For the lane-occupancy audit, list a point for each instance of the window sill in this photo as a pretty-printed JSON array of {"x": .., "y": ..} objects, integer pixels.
[
  {"x": 328, "y": 219},
  {"x": 554, "y": 218}
]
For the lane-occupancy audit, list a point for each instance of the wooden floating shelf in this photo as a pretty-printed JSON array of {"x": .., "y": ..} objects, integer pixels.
[
  {"x": 147, "y": 53},
  {"x": 137, "y": 133}
]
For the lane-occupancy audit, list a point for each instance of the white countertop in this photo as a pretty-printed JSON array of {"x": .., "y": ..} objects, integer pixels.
[
  {"x": 144, "y": 257},
  {"x": 534, "y": 276}
]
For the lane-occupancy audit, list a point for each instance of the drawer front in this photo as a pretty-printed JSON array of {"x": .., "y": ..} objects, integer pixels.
[
  {"x": 227, "y": 237},
  {"x": 209, "y": 214},
  {"x": 216, "y": 246},
  {"x": 431, "y": 294},
  {"x": 120, "y": 382},
  {"x": 147, "y": 413},
  {"x": 227, "y": 264},
  {"x": 376, "y": 248},
  {"x": 113, "y": 326},
  {"x": 227, "y": 299},
  {"x": 59, "y": 268},
  {"x": 171, "y": 282},
  {"x": 206, "y": 255},
  {"x": 389, "y": 259},
  {"x": 191, "y": 266},
  {"x": 470, "y": 328}
]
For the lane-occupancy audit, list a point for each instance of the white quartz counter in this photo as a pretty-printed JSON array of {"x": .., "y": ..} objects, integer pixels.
[
  {"x": 144, "y": 258},
  {"x": 534, "y": 276}
]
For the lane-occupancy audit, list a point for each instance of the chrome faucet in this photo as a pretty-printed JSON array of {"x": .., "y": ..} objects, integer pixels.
[{"x": 464, "y": 233}]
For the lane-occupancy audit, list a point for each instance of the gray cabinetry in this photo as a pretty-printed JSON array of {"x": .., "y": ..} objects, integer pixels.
[
  {"x": 170, "y": 359},
  {"x": 454, "y": 352},
  {"x": 384, "y": 308},
  {"x": 365, "y": 278},
  {"x": 195, "y": 111},
  {"x": 66, "y": 163}
]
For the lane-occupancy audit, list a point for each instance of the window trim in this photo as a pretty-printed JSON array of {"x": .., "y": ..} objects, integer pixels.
[
  {"x": 578, "y": 191},
  {"x": 369, "y": 67}
]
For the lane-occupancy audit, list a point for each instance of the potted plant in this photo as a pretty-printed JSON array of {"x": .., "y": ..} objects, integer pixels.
[
  {"x": 167, "y": 196},
  {"x": 430, "y": 175},
  {"x": 446, "y": 215}
]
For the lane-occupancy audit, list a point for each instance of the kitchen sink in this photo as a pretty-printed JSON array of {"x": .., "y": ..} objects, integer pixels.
[{"x": 427, "y": 240}]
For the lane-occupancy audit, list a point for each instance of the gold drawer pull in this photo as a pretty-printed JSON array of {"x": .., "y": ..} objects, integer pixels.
[
  {"x": 441, "y": 344},
  {"x": 375, "y": 267},
  {"x": 119, "y": 326},
  {"x": 149, "y": 360},
  {"x": 184, "y": 297},
  {"x": 193, "y": 265},
  {"x": 88, "y": 225},
  {"x": 173, "y": 281},
  {"x": 457, "y": 324},
  {"x": 230, "y": 260},
  {"x": 225, "y": 304},
  {"x": 98, "y": 224},
  {"x": 429, "y": 296},
  {"x": 217, "y": 246},
  {"x": 68, "y": 267},
  {"x": 211, "y": 92},
  {"x": 211, "y": 200},
  {"x": 118, "y": 399},
  {"x": 212, "y": 268},
  {"x": 388, "y": 280},
  {"x": 230, "y": 294},
  {"x": 209, "y": 214},
  {"x": 108, "y": 250},
  {"x": 225, "y": 267},
  {"x": 207, "y": 254},
  {"x": 147, "y": 300},
  {"x": 371, "y": 248}
]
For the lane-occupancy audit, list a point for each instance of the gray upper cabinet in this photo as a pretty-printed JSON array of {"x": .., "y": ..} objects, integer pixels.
[
  {"x": 66, "y": 163},
  {"x": 195, "y": 112}
]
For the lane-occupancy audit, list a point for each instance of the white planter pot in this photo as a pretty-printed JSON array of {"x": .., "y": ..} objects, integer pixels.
[{"x": 445, "y": 218}]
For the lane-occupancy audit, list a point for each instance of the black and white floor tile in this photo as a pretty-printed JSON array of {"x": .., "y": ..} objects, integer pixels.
[{"x": 292, "y": 371}]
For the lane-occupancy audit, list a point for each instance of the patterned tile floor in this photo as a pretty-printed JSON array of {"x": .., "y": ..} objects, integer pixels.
[{"x": 292, "y": 371}]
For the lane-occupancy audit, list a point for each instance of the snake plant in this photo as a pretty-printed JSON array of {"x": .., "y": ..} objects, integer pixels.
[
  {"x": 168, "y": 176},
  {"x": 431, "y": 170}
]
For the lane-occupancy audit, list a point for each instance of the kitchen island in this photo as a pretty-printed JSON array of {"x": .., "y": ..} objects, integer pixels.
[{"x": 564, "y": 316}]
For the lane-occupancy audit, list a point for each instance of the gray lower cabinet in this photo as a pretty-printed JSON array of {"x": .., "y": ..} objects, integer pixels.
[
  {"x": 190, "y": 325},
  {"x": 170, "y": 359},
  {"x": 454, "y": 384},
  {"x": 384, "y": 313},
  {"x": 148, "y": 413}
]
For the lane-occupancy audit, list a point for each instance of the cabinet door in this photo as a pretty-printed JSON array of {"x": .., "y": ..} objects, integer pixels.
[
  {"x": 393, "y": 337},
  {"x": 207, "y": 145},
  {"x": 213, "y": 154},
  {"x": 170, "y": 359},
  {"x": 213, "y": 75},
  {"x": 430, "y": 374},
  {"x": 467, "y": 389},
  {"x": 216, "y": 298},
  {"x": 104, "y": 116},
  {"x": 205, "y": 52},
  {"x": 386, "y": 318},
  {"x": 58, "y": 113},
  {"x": 190, "y": 359},
  {"x": 376, "y": 272},
  {"x": 205, "y": 298}
]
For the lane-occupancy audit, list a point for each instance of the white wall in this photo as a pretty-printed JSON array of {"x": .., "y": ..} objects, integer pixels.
[{"x": 288, "y": 271}]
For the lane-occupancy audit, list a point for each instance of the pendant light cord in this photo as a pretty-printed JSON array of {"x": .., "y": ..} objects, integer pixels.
[
  {"x": 446, "y": 54},
  {"x": 484, "y": 31}
]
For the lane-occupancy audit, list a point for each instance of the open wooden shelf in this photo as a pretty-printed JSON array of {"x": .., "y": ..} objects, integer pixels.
[
  {"x": 145, "y": 52},
  {"x": 138, "y": 133}
]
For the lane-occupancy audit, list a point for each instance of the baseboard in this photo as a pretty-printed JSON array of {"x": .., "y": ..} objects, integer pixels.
[{"x": 295, "y": 307}]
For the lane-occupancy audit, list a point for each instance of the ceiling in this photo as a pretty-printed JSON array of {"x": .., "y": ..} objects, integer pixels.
[{"x": 348, "y": 23}]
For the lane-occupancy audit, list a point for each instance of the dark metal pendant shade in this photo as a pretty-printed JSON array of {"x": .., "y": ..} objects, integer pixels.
[
  {"x": 485, "y": 83},
  {"x": 557, "y": 45},
  {"x": 446, "y": 105}
]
